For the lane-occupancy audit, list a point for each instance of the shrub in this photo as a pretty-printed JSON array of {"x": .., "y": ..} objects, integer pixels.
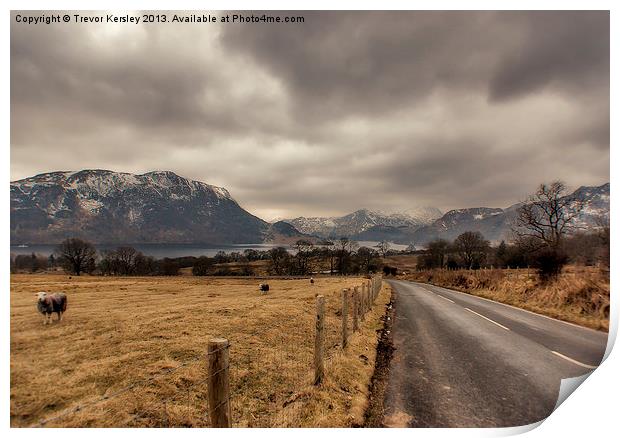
[
  {"x": 549, "y": 263},
  {"x": 202, "y": 265}
]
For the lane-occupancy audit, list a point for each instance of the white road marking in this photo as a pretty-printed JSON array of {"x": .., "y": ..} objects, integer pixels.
[
  {"x": 576, "y": 362},
  {"x": 512, "y": 307},
  {"x": 490, "y": 320},
  {"x": 447, "y": 299}
]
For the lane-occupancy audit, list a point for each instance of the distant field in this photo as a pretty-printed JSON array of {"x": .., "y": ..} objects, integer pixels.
[
  {"x": 119, "y": 331},
  {"x": 404, "y": 263}
]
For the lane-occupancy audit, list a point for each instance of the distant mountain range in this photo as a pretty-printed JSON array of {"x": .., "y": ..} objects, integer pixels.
[
  {"x": 161, "y": 207},
  {"x": 493, "y": 223},
  {"x": 112, "y": 207},
  {"x": 363, "y": 224}
]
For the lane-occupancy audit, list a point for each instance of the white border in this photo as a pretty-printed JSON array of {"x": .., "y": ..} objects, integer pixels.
[{"x": 590, "y": 411}]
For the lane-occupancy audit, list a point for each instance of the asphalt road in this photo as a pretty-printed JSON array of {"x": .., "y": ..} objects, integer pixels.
[{"x": 463, "y": 361}]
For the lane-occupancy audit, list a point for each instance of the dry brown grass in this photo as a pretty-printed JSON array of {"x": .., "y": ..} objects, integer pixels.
[
  {"x": 580, "y": 295},
  {"x": 120, "y": 331},
  {"x": 404, "y": 263}
]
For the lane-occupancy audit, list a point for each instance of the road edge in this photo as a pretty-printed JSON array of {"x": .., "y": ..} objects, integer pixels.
[{"x": 373, "y": 417}]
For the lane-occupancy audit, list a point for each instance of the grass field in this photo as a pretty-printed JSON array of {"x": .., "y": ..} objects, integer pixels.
[{"x": 153, "y": 333}]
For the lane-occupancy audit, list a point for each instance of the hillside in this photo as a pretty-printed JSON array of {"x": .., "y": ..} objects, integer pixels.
[
  {"x": 495, "y": 223},
  {"x": 161, "y": 207},
  {"x": 112, "y": 207},
  {"x": 421, "y": 226}
]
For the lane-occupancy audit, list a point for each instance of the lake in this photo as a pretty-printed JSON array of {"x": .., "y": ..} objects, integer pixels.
[
  {"x": 159, "y": 250},
  {"x": 156, "y": 250}
]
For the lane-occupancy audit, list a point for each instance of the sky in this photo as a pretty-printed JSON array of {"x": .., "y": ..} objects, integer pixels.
[{"x": 347, "y": 110}]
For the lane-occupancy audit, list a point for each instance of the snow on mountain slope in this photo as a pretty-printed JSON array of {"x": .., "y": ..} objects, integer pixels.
[
  {"x": 360, "y": 221},
  {"x": 107, "y": 207},
  {"x": 162, "y": 207},
  {"x": 495, "y": 223}
]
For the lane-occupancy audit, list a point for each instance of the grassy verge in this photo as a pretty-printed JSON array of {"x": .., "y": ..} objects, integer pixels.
[
  {"x": 342, "y": 400},
  {"x": 152, "y": 333},
  {"x": 375, "y": 416},
  {"x": 579, "y": 295}
]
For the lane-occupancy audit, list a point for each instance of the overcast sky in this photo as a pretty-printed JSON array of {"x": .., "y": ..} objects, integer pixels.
[{"x": 348, "y": 110}]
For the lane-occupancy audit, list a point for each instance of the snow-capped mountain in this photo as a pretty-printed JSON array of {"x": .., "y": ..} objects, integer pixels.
[
  {"x": 595, "y": 205},
  {"x": 495, "y": 224},
  {"x": 316, "y": 226},
  {"x": 362, "y": 221},
  {"x": 112, "y": 207},
  {"x": 424, "y": 215},
  {"x": 161, "y": 207}
]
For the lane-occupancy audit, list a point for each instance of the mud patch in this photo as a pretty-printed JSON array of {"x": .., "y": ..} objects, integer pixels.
[{"x": 374, "y": 415}]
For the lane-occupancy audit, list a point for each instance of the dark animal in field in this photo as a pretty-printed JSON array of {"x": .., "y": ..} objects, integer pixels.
[
  {"x": 311, "y": 280},
  {"x": 48, "y": 304},
  {"x": 263, "y": 287}
]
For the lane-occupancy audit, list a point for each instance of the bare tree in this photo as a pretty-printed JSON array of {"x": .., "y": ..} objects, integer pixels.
[
  {"x": 123, "y": 260},
  {"x": 367, "y": 258},
  {"x": 304, "y": 251},
  {"x": 331, "y": 255},
  {"x": 202, "y": 265},
  {"x": 383, "y": 247},
  {"x": 547, "y": 216},
  {"x": 344, "y": 249},
  {"x": 76, "y": 255},
  {"x": 436, "y": 253},
  {"x": 126, "y": 256},
  {"x": 278, "y": 260},
  {"x": 472, "y": 248}
]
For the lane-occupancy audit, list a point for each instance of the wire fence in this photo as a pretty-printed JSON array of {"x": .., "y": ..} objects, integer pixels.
[
  {"x": 108, "y": 397},
  {"x": 266, "y": 379}
]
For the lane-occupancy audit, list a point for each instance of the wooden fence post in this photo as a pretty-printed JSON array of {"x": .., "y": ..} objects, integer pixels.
[
  {"x": 364, "y": 299},
  {"x": 319, "y": 372},
  {"x": 362, "y": 303},
  {"x": 345, "y": 317},
  {"x": 218, "y": 389},
  {"x": 356, "y": 309},
  {"x": 373, "y": 282}
]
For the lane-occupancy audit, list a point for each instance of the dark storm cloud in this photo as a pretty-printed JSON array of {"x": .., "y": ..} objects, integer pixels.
[
  {"x": 367, "y": 61},
  {"x": 569, "y": 49},
  {"x": 364, "y": 62},
  {"x": 347, "y": 110}
]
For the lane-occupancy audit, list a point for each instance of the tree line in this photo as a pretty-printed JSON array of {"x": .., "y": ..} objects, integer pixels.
[
  {"x": 77, "y": 256},
  {"x": 546, "y": 236},
  {"x": 343, "y": 256}
]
